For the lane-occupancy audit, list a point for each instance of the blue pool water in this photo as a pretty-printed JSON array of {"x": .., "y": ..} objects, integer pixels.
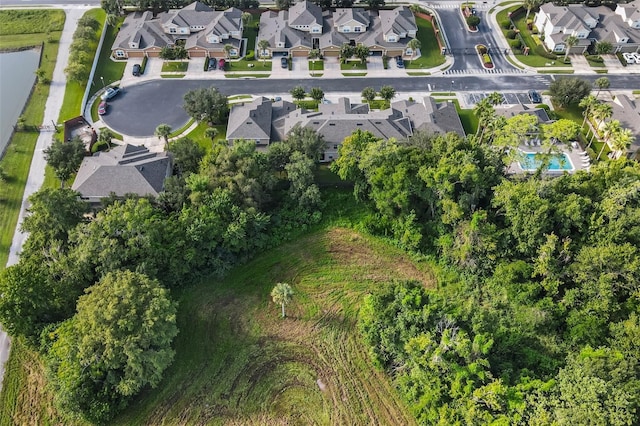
[{"x": 558, "y": 162}]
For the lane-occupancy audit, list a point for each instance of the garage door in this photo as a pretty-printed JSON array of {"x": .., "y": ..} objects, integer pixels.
[
  {"x": 197, "y": 53},
  {"x": 332, "y": 53},
  {"x": 299, "y": 53},
  {"x": 137, "y": 54}
]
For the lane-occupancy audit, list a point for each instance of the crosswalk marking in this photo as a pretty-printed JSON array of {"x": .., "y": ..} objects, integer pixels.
[{"x": 475, "y": 71}]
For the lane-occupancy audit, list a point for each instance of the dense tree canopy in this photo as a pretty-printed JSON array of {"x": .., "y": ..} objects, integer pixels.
[
  {"x": 206, "y": 104},
  {"x": 65, "y": 158},
  {"x": 117, "y": 343}
]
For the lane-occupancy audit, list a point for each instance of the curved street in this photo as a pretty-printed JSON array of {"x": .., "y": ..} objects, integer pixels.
[{"x": 141, "y": 107}]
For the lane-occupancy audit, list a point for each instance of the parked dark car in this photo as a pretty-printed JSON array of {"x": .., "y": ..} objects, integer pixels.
[
  {"x": 221, "y": 64},
  {"x": 399, "y": 62},
  {"x": 136, "y": 70},
  {"x": 284, "y": 62},
  {"x": 212, "y": 64},
  {"x": 102, "y": 108},
  {"x": 534, "y": 97}
]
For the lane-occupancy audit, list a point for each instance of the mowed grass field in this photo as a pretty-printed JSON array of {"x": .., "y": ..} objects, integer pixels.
[{"x": 238, "y": 362}]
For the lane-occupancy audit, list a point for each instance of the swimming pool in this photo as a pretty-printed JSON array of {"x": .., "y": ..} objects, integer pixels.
[{"x": 558, "y": 162}]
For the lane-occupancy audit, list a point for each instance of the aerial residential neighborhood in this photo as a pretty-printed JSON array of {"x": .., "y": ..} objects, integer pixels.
[{"x": 319, "y": 212}]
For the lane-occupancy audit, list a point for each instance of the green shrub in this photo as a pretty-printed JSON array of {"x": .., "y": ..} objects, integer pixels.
[
  {"x": 506, "y": 24},
  {"x": 515, "y": 44},
  {"x": 251, "y": 56},
  {"x": 511, "y": 34},
  {"x": 595, "y": 58},
  {"x": 99, "y": 146},
  {"x": 540, "y": 50},
  {"x": 143, "y": 65},
  {"x": 486, "y": 58},
  {"x": 482, "y": 50}
]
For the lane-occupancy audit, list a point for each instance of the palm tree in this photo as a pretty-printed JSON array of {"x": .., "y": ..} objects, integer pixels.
[
  {"x": 211, "y": 133},
  {"x": 281, "y": 294},
  {"x": 111, "y": 19},
  {"x": 368, "y": 94},
  {"x": 263, "y": 45},
  {"x": 600, "y": 113},
  {"x": 601, "y": 83},
  {"x": 603, "y": 48},
  {"x": 609, "y": 130},
  {"x": 621, "y": 141},
  {"x": 106, "y": 135},
  {"x": 587, "y": 104},
  {"x": 531, "y": 4},
  {"x": 227, "y": 50},
  {"x": 414, "y": 44},
  {"x": 163, "y": 131},
  {"x": 246, "y": 19},
  {"x": 387, "y": 93},
  {"x": 569, "y": 43}
]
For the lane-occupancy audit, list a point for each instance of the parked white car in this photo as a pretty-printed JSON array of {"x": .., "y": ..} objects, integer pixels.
[
  {"x": 636, "y": 56},
  {"x": 630, "y": 58}
]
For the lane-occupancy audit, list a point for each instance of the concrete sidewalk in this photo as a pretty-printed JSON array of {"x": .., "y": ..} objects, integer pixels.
[{"x": 38, "y": 163}]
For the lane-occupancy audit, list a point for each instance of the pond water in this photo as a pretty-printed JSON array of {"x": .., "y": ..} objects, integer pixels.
[{"x": 17, "y": 74}]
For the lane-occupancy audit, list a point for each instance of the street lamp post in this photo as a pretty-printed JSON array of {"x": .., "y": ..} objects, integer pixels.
[
  {"x": 451, "y": 89},
  {"x": 102, "y": 78}
]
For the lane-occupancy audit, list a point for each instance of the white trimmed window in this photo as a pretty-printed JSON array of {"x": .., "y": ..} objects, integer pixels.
[
  {"x": 120, "y": 53},
  {"x": 172, "y": 30}
]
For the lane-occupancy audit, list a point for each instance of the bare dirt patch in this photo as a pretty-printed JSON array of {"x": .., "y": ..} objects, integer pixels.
[{"x": 351, "y": 248}]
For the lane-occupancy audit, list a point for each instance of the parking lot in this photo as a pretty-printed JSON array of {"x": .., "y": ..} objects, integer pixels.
[{"x": 507, "y": 98}]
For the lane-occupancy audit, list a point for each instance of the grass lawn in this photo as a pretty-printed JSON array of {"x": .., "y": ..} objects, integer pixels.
[
  {"x": 532, "y": 59},
  {"x": 468, "y": 119},
  {"x": 107, "y": 68},
  {"x": 353, "y": 65},
  {"x": 429, "y": 49},
  {"x": 354, "y": 74},
  {"x": 172, "y": 75},
  {"x": 308, "y": 104},
  {"x": 175, "y": 66},
  {"x": 244, "y": 65},
  {"x": 417, "y": 74},
  {"x": 378, "y": 104},
  {"x": 197, "y": 135},
  {"x": 246, "y": 75},
  {"x": 238, "y": 362},
  {"x": 317, "y": 65},
  {"x": 17, "y": 159},
  {"x": 74, "y": 91}
]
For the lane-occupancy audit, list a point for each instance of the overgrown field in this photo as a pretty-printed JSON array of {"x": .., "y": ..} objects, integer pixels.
[
  {"x": 30, "y": 21},
  {"x": 238, "y": 362}
]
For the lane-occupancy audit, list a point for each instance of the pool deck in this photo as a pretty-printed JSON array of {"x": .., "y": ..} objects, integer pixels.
[{"x": 578, "y": 157}]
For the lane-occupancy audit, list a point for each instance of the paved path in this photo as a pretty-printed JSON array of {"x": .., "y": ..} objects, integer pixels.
[{"x": 36, "y": 172}]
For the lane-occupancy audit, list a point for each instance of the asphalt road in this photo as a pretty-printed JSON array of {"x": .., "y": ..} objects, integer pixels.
[{"x": 139, "y": 110}]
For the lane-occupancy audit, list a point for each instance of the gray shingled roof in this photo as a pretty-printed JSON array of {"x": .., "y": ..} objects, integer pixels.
[
  {"x": 143, "y": 29},
  {"x": 399, "y": 20},
  {"x": 627, "y": 111},
  {"x": 123, "y": 170},
  {"x": 430, "y": 116},
  {"x": 305, "y": 13},
  {"x": 147, "y": 31},
  {"x": 344, "y": 15},
  {"x": 513, "y": 110},
  {"x": 611, "y": 27},
  {"x": 274, "y": 29},
  {"x": 250, "y": 121},
  {"x": 631, "y": 9}
]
